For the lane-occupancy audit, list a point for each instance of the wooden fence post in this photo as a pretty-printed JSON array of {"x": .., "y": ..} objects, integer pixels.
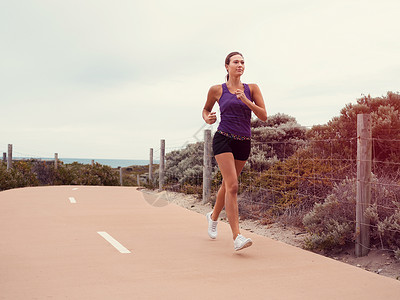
[
  {"x": 363, "y": 198},
  {"x": 120, "y": 175},
  {"x": 55, "y": 161},
  {"x": 92, "y": 162},
  {"x": 9, "y": 158},
  {"x": 207, "y": 166},
  {"x": 162, "y": 165},
  {"x": 151, "y": 167},
  {"x": 138, "y": 179},
  {"x": 4, "y": 157}
]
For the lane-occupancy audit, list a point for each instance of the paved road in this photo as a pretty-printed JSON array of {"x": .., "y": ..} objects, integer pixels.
[{"x": 110, "y": 243}]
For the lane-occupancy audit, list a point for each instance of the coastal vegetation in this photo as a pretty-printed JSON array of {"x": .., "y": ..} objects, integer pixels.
[
  {"x": 300, "y": 176},
  {"x": 37, "y": 173},
  {"x": 307, "y": 176},
  {"x": 130, "y": 175}
]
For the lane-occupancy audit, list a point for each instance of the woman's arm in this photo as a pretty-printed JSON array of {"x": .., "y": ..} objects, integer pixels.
[
  {"x": 258, "y": 106},
  {"x": 213, "y": 95}
]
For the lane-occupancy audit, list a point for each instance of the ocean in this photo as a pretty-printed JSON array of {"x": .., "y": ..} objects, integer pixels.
[{"x": 113, "y": 163}]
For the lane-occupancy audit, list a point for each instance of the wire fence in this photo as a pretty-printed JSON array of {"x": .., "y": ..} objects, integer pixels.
[{"x": 283, "y": 180}]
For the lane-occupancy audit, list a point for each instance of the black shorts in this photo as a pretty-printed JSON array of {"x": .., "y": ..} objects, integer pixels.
[{"x": 239, "y": 149}]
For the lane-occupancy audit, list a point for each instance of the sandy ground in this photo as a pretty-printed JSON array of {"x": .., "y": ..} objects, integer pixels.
[{"x": 378, "y": 261}]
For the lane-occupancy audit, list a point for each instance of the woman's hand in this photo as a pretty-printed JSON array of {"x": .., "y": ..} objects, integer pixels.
[
  {"x": 214, "y": 94},
  {"x": 241, "y": 96},
  {"x": 211, "y": 118},
  {"x": 258, "y": 106}
]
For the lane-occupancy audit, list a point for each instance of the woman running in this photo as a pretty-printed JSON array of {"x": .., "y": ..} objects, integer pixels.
[{"x": 231, "y": 142}]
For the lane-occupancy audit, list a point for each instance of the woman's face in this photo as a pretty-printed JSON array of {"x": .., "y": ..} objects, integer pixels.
[{"x": 236, "y": 65}]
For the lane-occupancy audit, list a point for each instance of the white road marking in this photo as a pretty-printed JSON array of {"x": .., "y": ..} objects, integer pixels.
[
  {"x": 113, "y": 242},
  {"x": 74, "y": 189},
  {"x": 72, "y": 200}
]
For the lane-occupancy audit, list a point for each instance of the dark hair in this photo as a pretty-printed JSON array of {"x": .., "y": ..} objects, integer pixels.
[{"x": 228, "y": 60}]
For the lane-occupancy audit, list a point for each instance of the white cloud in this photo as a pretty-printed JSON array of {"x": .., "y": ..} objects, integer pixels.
[{"x": 110, "y": 79}]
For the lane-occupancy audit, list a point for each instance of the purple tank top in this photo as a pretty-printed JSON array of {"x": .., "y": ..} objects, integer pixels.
[{"x": 235, "y": 115}]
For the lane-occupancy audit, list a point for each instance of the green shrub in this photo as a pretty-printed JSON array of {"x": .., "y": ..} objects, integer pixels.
[
  {"x": 384, "y": 215},
  {"x": 33, "y": 173},
  {"x": 184, "y": 169},
  {"x": 20, "y": 175},
  {"x": 290, "y": 186},
  {"x": 81, "y": 174},
  {"x": 327, "y": 227},
  {"x": 385, "y": 125},
  {"x": 331, "y": 224},
  {"x": 130, "y": 174},
  {"x": 274, "y": 140},
  {"x": 45, "y": 173}
]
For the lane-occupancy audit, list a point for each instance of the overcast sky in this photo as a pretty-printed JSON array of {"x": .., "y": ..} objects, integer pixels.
[{"x": 109, "y": 79}]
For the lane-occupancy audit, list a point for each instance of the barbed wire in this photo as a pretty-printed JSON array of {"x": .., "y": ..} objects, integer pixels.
[
  {"x": 257, "y": 208},
  {"x": 199, "y": 179}
]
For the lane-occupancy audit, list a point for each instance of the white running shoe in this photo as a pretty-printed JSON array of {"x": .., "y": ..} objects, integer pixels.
[
  {"x": 212, "y": 226},
  {"x": 241, "y": 242}
]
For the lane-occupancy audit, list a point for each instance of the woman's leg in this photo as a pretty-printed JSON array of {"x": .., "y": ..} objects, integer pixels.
[
  {"x": 220, "y": 201},
  {"x": 229, "y": 169}
]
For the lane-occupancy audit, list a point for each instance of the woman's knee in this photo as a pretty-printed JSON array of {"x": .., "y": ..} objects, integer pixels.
[{"x": 232, "y": 187}]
